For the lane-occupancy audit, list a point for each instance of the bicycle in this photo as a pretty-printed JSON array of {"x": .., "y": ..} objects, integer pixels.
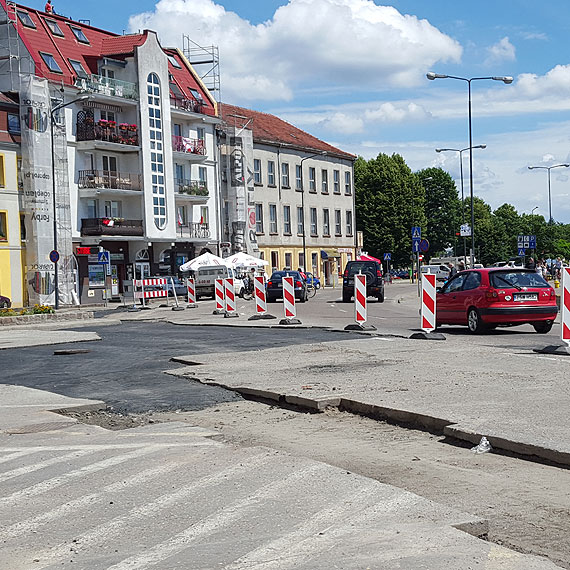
[
  {"x": 311, "y": 290},
  {"x": 248, "y": 289}
]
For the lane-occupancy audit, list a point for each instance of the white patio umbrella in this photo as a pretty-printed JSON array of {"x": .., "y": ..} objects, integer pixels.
[
  {"x": 242, "y": 259},
  {"x": 204, "y": 260}
]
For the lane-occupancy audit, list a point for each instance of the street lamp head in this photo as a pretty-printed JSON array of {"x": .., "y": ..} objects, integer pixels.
[
  {"x": 480, "y": 146},
  {"x": 431, "y": 76},
  {"x": 507, "y": 79}
]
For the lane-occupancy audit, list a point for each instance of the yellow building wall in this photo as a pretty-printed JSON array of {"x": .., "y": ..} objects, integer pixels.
[{"x": 5, "y": 273}]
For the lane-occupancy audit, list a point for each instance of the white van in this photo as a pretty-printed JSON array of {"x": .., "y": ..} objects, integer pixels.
[
  {"x": 441, "y": 271},
  {"x": 205, "y": 279}
]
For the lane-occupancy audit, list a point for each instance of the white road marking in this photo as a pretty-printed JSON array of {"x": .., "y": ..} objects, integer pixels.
[
  {"x": 109, "y": 529},
  {"x": 227, "y": 516},
  {"x": 383, "y": 339},
  {"x": 14, "y": 455},
  {"x": 104, "y": 446}
]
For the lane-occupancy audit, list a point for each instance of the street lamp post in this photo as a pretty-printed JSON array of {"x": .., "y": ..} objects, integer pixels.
[
  {"x": 322, "y": 153},
  {"x": 505, "y": 79},
  {"x": 461, "y": 151},
  {"x": 549, "y": 168},
  {"x": 52, "y": 121}
]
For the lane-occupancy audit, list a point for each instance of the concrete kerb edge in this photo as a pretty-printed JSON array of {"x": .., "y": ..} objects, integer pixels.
[{"x": 94, "y": 406}]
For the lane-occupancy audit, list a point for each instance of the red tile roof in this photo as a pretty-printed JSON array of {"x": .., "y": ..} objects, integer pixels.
[
  {"x": 122, "y": 45},
  {"x": 273, "y": 130}
]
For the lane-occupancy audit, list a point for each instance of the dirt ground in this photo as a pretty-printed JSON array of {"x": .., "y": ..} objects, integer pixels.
[{"x": 527, "y": 503}]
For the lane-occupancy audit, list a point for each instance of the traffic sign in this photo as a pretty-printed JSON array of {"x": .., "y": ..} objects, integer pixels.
[
  {"x": 103, "y": 257},
  {"x": 465, "y": 230},
  {"x": 424, "y": 245},
  {"x": 532, "y": 242},
  {"x": 416, "y": 246},
  {"x": 416, "y": 232},
  {"x": 387, "y": 256},
  {"x": 522, "y": 251},
  {"x": 54, "y": 256}
]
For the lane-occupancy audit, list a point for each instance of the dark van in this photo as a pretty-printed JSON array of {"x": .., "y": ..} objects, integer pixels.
[{"x": 374, "y": 279}]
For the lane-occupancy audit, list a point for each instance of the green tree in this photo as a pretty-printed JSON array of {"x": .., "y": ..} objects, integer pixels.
[{"x": 389, "y": 201}]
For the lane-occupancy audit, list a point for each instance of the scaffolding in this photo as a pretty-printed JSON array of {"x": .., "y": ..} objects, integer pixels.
[{"x": 206, "y": 61}]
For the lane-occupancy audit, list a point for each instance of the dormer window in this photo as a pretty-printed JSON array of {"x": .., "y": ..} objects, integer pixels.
[
  {"x": 174, "y": 62},
  {"x": 49, "y": 60},
  {"x": 26, "y": 19},
  {"x": 79, "y": 35},
  {"x": 78, "y": 68},
  {"x": 54, "y": 27},
  {"x": 196, "y": 94}
]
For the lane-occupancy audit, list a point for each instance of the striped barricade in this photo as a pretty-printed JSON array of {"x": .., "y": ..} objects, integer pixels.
[
  {"x": 565, "y": 306},
  {"x": 289, "y": 297},
  {"x": 230, "y": 295},
  {"x": 428, "y": 310},
  {"x": 260, "y": 298},
  {"x": 360, "y": 298},
  {"x": 150, "y": 293},
  {"x": 219, "y": 296},
  {"x": 191, "y": 288}
]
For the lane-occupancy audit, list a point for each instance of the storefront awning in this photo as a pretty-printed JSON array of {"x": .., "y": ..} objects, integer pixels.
[{"x": 329, "y": 253}]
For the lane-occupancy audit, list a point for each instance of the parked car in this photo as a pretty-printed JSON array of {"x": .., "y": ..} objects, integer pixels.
[
  {"x": 274, "y": 288},
  {"x": 312, "y": 280},
  {"x": 5, "y": 303},
  {"x": 374, "y": 279},
  {"x": 441, "y": 271},
  {"x": 179, "y": 287},
  {"x": 205, "y": 279},
  {"x": 486, "y": 298}
]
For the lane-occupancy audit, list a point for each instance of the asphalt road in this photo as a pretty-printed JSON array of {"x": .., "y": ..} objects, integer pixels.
[{"x": 125, "y": 368}]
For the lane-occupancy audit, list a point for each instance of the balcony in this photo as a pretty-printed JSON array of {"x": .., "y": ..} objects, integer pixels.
[
  {"x": 107, "y": 86},
  {"x": 107, "y": 132},
  {"x": 191, "y": 148},
  {"x": 193, "y": 230},
  {"x": 107, "y": 179},
  {"x": 195, "y": 190},
  {"x": 188, "y": 105},
  {"x": 111, "y": 227}
]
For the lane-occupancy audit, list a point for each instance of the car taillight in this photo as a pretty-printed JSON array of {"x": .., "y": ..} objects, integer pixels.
[
  {"x": 298, "y": 284},
  {"x": 270, "y": 283},
  {"x": 346, "y": 274},
  {"x": 491, "y": 295},
  {"x": 378, "y": 273}
]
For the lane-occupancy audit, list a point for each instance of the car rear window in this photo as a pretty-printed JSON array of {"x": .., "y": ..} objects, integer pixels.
[
  {"x": 502, "y": 279},
  {"x": 278, "y": 275},
  {"x": 362, "y": 266}
]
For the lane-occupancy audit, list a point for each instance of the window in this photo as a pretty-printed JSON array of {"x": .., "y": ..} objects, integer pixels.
[
  {"x": 298, "y": 177},
  {"x": 174, "y": 62},
  {"x": 312, "y": 182},
  {"x": 272, "y": 219},
  {"x": 326, "y": 222},
  {"x": 2, "y": 172},
  {"x": 336, "y": 181},
  {"x": 109, "y": 73},
  {"x": 92, "y": 209},
  {"x": 113, "y": 209},
  {"x": 78, "y": 68},
  {"x": 55, "y": 29},
  {"x": 108, "y": 116},
  {"x": 78, "y": 33},
  {"x": 201, "y": 133},
  {"x": 196, "y": 94},
  {"x": 337, "y": 223},
  {"x": 49, "y": 60},
  {"x": 203, "y": 174},
  {"x": 26, "y": 19},
  {"x": 313, "y": 214},
  {"x": 300, "y": 221},
  {"x": 257, "y": 171},
  {"x": 3, "y": 226},
  {"x": 181, "y": 216},
  {"x": 472, "y": 282},
  {"x": 270, "y": 173},
  {"x": 285, "y": 175},
  {"x": 288, "y": 260},
  {"x": 179, "y": 172},
  {"x": 455, "y": 284},
  {"x": 259, "y": 218},
  {"x": 287, "y": 220},
  {"x": 347, "y": 183},
  {"x": 204, "y": 215},
  {"x": 13, "y": 123},
  {"x": 109, "y": 164},
  {"x": 314, "y": 262},
  {"x": 325, "y": 181},
  {"x": 349, "y": 222}
]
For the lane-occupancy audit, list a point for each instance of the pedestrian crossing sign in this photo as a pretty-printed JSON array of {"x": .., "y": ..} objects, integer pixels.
[{"x": 416, "y": 232}]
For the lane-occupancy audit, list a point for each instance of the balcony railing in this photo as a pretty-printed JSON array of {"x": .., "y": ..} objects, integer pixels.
[
  {"x": 108, "y": 86},
  {"x": 189, "y": 146},
  {"x": 109, "y": 179},
  {"x": 190, "y": 187},
  {"x": 111, "y": 227},
  {"x": 186, "y": 104},
  {"x": 194, "y": 230},
  {"x": 108, "y": 131}
]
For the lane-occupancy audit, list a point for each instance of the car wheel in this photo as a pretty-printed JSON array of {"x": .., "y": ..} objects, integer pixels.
[
  {"x": 474, "y": 322},
  {"x": 543, "y": 327},
  {"x": 318, "y": 286},
  {"x": 3, "y": 304},
  {"x": 303, "y": 298},
  {"x": 381, "y": 297},
  {"x": 346, "y": 297}
]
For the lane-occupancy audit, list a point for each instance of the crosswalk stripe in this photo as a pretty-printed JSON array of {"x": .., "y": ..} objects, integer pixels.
[
  {"x": 109, "y": 529},
  {"x": 14, "y": 455},
  {"x": 228, "y": 515}
]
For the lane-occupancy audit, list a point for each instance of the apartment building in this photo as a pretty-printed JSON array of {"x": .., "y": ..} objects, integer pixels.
[
  {"x": 118, "y": 155},
  {"x": 287, "y": 194}
]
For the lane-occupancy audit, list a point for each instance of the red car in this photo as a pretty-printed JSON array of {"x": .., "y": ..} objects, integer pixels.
[{"x": 486, "y": 298}]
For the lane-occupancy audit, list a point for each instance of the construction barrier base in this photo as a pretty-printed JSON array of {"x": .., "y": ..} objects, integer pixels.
[
  {"x": 290, "y": 322},
  {"x": 218, "y": 312},
  {"x": 359, "y": 327},
  {"x": 230, "y": 314},
  {"x": 554, "y": 349},
  {"x": 428, "y": 336},
  {"x": 260, "y": 317},
  {"x": 177, "y": 308},
  {"x": 191, "y": 305}
]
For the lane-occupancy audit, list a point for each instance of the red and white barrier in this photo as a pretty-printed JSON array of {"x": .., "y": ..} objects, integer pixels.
[
  {"x": 260, "y": 298},
  {"x": 155, "y": 293},
  {"x": 191, "y": 287},
  {"x": 219, "y": 294},
  {"x": 360, "y": 298},
  {"x": 565, "y": 306},
  {"x": 230, "y": 295},
  {"x": 428, "y": 302},
  {"x": 289, "y": 297}
]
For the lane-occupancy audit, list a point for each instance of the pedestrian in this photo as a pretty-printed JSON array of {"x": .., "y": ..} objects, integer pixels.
[
  {"x": 303, "y": 274},
  {"x": 530, "y": 264},
  {"x": 452, "y": 270},
  {"x": 461, "y": 266},
  {"x": 48, "y": 8}
]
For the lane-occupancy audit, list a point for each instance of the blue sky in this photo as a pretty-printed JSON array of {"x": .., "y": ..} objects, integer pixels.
[{"x": 352, "y": 72}]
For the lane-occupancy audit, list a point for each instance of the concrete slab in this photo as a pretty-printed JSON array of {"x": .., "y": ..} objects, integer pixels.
[{"x": 21, "y": 337}]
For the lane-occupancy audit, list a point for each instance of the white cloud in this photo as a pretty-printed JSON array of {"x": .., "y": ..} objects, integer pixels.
[
  {"x": 503, "y": 50},
  {"x": 342, "y": 123},
  {"x": 317, "y": 42}
]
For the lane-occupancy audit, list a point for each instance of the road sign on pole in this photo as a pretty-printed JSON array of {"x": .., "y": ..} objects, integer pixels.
[
  {"x": 416, "y": 232},
  {"x": 522, "y": 251},
  {"x": 424, "y": 245},
  {"x": 103, "y": 257},
  {"x": 387, "y": 256},
  {"x": 465, "y": 230},
  {"x": 416, "y": 246}
]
